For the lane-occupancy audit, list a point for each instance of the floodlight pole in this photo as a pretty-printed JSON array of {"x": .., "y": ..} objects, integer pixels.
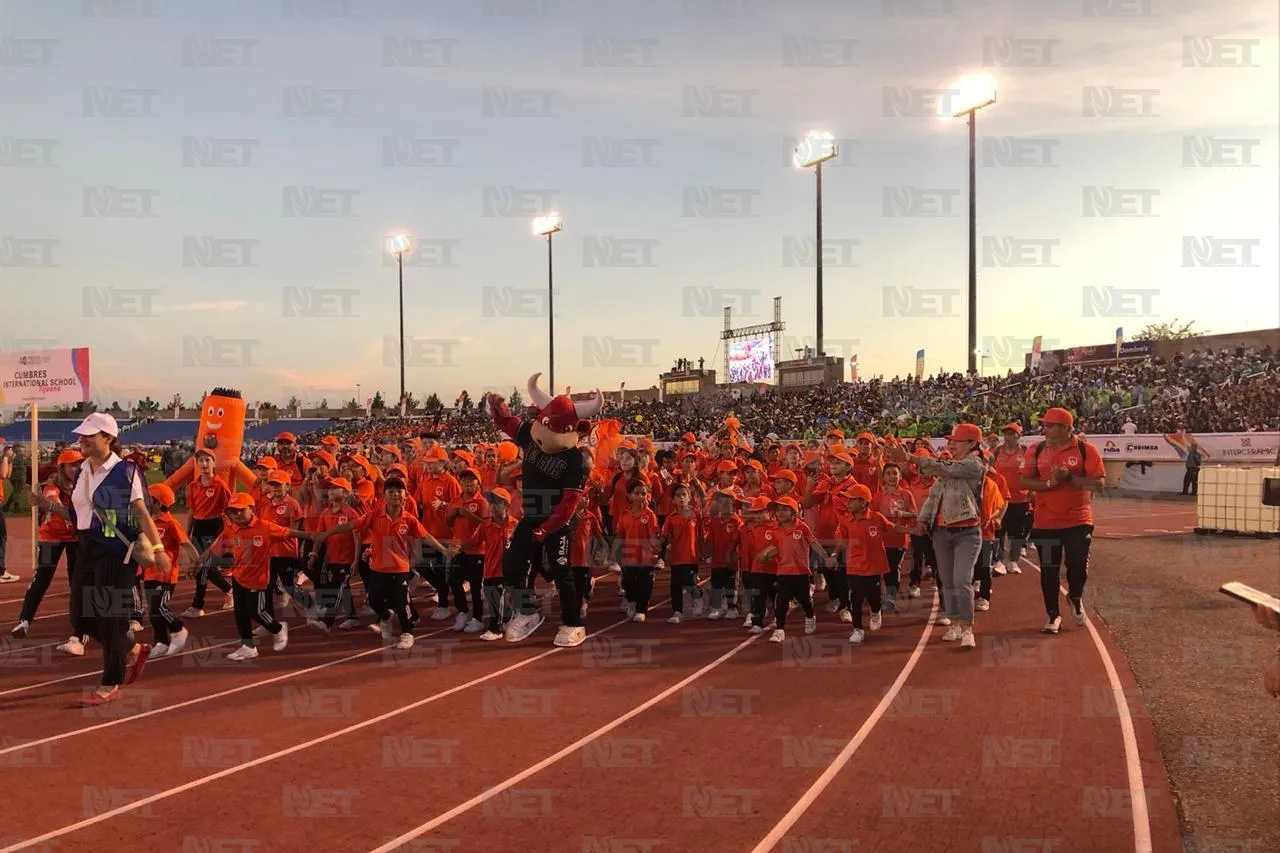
[
  {"x": 551, "y": 318},
  {"x": 400, "y": 265},
  {"x": 973, "y": 243},
  {"x": 818, "y": 259}
]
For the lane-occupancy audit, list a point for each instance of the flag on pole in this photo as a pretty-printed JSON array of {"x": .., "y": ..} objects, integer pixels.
[
  {"x": 1035, "y": 352},
  {"x": 919, "y": 365},
  {"x": 1119, "y": 340}
]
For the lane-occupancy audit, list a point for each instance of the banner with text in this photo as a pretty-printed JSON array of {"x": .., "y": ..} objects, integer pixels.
[
  {"x": 44, "y": 376},
  {"x": 1215, "y": 448}
]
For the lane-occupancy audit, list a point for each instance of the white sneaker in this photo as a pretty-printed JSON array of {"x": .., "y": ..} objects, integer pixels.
[
  {"x": 777, "y": 636},
  {"x": 857, "y": 636},
  {"x": 674, "y": 619},
  {"x": 243, "y": 653},
  {"x": 348, "y": 624},
  {"x": 159, "y": 650},
  {"x": 833, "y": 606},
  {"x": 622, "y": 606},
  {"x": 405, "y": 642},
  {"x": 9, "y": 577},
  {"x": 982, "y": 604},
  {"x": 877, "y": 620},
  {"x": 366, "y": 612},
  {"x": 631, "y": 610},
  {"x": 639, "y": 617},
  {"x": 913, "y": 592},
  {"x": 811, "y": 625},
  {"x": 192, "y": 613},
  {"x": 383, "y": 630},
  {"x": 1051, "y": 626},
  {"x": 698, "y": 607},
  {"x": 473, "y": 626},
  {"x": 135, "y": 627},
  {"x": 944, "y": 620},
  {"x": 490, "y": 636},
  {"x": 998, "y": 569},
  {"x": 318, "y": 625},
  {"x": 1013, "y": 568},
  {"x": 259, "y": 631},
  {"x": 282, "y": 639},
  {"x": 821, "y": 583},
  {"x": 20, "y": 630},
  {"x": 845, "y": 616},
  {"x": 967, "y": 640},
  {"x": 749, "y": 622},
  {"x": 756, "y": 629},
  {"x": 953, "y": 634},
  {"x": 715, "y": 614},
  {"x": 177, "y": 642},
  {"x": 460, "y": 621},
  {"x": 440, "y": 614},
  {"x": 1077, "y": 610},
  {"x": 569, "y": 638},
  {"x": 582, "y": 609},
  {"x": 522, "y": 626},
  {"x": 732, "y": 613},
  {"x": 73, "y": 646}
]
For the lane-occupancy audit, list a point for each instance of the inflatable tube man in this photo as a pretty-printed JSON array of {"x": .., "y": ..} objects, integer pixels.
[{"x": 221, "y": 431}]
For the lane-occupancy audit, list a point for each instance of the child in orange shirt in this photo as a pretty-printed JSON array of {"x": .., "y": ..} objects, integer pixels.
[
  {"x": 207, "y": 498},
  {"x": 588, "y": 532},
  {"x": 331, "y": 561},
  {"x": 492, "y": 535},
  {"x": 170, "y": 634},
  {"x": 898, "y": 505},
  {"x": 679, "y": 547},
  {"x": 635, "y": 544},
  {"x": 760, "y": 579},
  {"x": 793, "y": 541},
  {"x": 283, "y": 509},
  {"x": 864, "y": 533},
  {"x": 249, "y": 538},
  {"x": 463, "y": 515},
  {"x": 720, "y": 533},
  {"x": 995, "y": 500}
]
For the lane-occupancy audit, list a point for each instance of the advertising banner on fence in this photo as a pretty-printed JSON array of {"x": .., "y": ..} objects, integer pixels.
[
  {"x": 44, "y": 376},
  {"x": 1215, "y": 448}
]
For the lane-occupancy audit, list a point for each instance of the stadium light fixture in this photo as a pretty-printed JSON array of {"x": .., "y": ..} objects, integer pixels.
[
  {"x": 400, "y": 244},
  {"x": 814, "y": 149},
  {"x": 547, "y": 225},
  {"x": 972, "y": 94}
]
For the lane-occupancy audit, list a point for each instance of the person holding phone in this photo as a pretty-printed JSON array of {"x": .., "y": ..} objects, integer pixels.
[{"x": 1268, "y": 618}]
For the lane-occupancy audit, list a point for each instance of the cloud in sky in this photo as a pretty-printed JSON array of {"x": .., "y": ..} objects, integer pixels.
[{"x": 156, "y": 156}]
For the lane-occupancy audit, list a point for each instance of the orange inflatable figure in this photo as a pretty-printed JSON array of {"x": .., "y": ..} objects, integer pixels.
[{"x": 221, "y": 430}]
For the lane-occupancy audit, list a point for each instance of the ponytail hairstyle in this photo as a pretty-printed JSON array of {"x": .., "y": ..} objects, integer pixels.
[{"x": 115, "y": 446}]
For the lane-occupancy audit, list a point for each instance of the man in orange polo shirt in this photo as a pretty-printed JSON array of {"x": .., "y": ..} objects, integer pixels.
[{"x": 1063, "y": 471}]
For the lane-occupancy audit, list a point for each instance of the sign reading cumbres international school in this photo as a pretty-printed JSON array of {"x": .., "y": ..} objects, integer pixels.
[{"x": 44, "y": 376}]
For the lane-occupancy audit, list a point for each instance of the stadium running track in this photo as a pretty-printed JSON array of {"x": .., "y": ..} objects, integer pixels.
[{"x": 648, "y": 738}]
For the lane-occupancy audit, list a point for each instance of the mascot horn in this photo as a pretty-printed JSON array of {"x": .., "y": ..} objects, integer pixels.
[
  {"x": 553, "y": 475},
  {"x": 221, "y": 430}
]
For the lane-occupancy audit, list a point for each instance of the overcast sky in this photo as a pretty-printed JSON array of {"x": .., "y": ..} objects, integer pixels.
[{"x": 199, "y": 192}]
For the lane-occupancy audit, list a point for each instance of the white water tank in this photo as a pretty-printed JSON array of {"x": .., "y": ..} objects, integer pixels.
[{"x": 1230, "y": 501}]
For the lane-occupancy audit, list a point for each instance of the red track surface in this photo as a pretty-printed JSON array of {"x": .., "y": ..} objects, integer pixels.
[{"x": 650, "y": 737}]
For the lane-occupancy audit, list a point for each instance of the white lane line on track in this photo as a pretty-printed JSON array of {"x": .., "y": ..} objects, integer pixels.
[
  {"x": 46, "y": 597},
  {"x": 534, "y": 769},
  {"x": 1132, "y": 758},
  {"x": 210, "y": 697},
  {"x": 98, "y": 671},
  {"x": 809, "y": 797},
  {"x": 231, "y": 771}
]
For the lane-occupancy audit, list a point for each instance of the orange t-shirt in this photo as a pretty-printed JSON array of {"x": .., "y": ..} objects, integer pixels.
[
  {"x": 491, "y": 539},
  {"x": 1064, "y": 505},
  {"x": 172, "y": 537},
  {"x": 619, "y": 500},
  {"x": 682, "y": 534},
  {"x": 1011, "y": 466},
  {"x": 893, "y": 504},
  {"x": 637, "y": 531},
  {"x": 589, "y": 528},
  {"x": 389, "y": 539},
  {"x": 341, "y": 549},
  {"x": 720, "y": 536},
  {"x": 444, "y": 488},
  {"x": 463, "y": 527},
  {"x": 207, "y": 500},
  {"x": 794, "y": 543},
  {"x": 250, "y": 548},
  {"x": 754, "y": 538},
  {"x": 55, "y": 528},
  {"x": 864, "y": 538},
  {"x": 995, "y": 497},
  {"x": 867, "y": 472},
  {"x": 285, "y": 512}
]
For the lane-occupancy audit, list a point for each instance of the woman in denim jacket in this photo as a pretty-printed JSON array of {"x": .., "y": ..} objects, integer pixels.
[{"x": 951, "y": 516}]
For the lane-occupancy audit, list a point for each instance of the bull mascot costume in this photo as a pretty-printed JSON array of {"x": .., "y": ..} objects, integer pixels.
[{"x": 554, "y": 474}]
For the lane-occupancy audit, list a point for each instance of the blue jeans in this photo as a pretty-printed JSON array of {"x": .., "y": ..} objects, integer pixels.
[{"x": 957, "y": 551}]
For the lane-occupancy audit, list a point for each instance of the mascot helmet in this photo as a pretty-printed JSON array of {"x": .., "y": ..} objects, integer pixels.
[{"x": 561, "y": 414}]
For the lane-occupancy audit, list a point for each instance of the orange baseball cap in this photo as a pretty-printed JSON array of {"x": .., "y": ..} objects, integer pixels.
[
  {"x": 965, "y": 432},
  {"x": 161, "y": 493},
  {"x": 278, "y": 476},
  {"x": 1013, "y": 426},
  {"x": 842, "y": 457},
  {"x": 469, "y": 471},
  {"x": 268, "y": 462},
  {"x": 786, "y": 474},
  {"x": 287, "y": 436},
  {"x": 788, "y": 502},
  {"x": 330, "y": 441},
  {"x": 689, "y": 437},
  {"x": 836, "y": 433},
  {"x": 326, "y": 457},
  {"x": 726, "y": 466},
  {"x": 501, "y": 494},
  {"x": 1058, "y": 415},
  {"x": 240, "y": 500},
  {"x": 70, "y": 457},
  {"x": 759, "y": 504},
  {"x": 365, "y": 490},
  {"x": 435, "y": 454},
  {"x": 857, "y": 490},
  {"x": 339, "y": 483}
]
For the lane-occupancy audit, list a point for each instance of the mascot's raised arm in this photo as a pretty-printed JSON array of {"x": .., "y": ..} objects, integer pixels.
[
  {"x": 221, "y": 431},
  {"x": 553, "y": 475}
]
